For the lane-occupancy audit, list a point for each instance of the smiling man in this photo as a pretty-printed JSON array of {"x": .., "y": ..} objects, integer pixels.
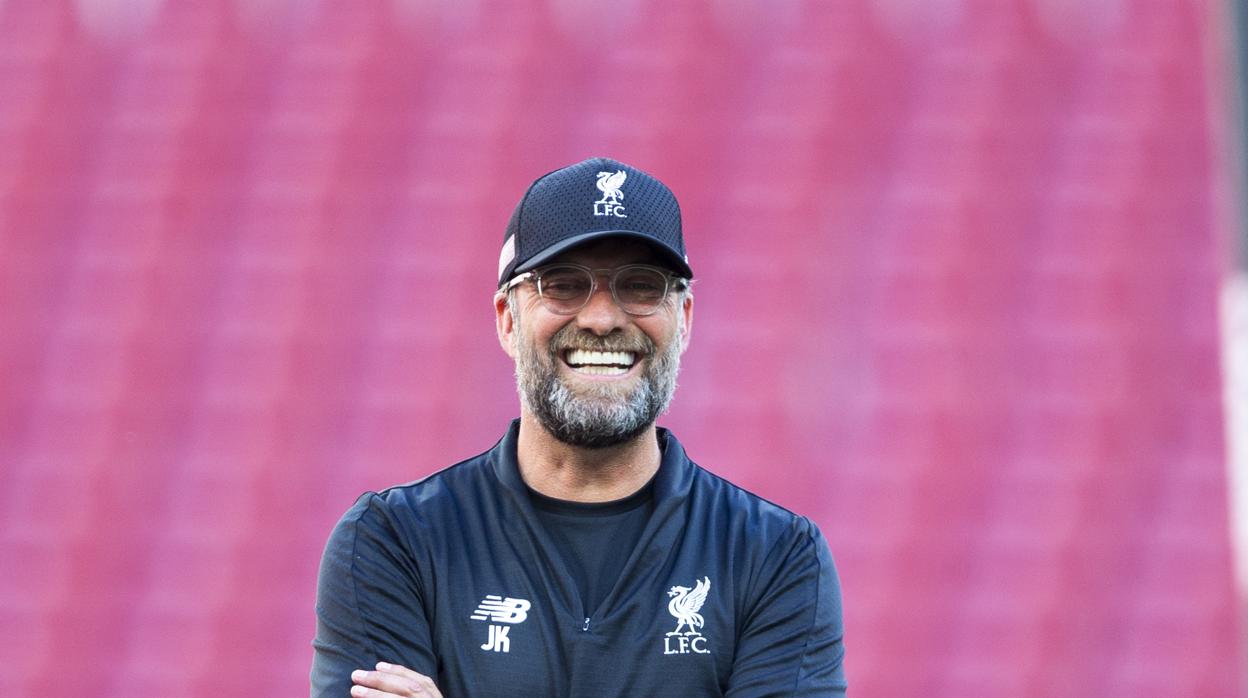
[{"x": 584, "y": 554}]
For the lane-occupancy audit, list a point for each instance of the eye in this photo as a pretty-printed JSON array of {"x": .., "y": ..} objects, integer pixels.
[
  {"x": 565, "y": 283},
  {"x": 641, "y": 284}
]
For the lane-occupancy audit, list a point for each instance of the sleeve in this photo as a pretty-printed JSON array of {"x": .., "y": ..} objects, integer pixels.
[
  {"x": 369, "y": 602},
  {"x": 792, "y": 639}
]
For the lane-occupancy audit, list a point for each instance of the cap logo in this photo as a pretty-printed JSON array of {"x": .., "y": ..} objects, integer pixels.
[{"x": 609, "y": 184}]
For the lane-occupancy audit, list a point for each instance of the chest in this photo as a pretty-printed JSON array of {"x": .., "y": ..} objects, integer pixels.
[{"x": 508, "y": 622}]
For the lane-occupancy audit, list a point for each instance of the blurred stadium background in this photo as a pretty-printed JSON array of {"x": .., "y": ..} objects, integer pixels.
[{"x": 965, "y": 267}]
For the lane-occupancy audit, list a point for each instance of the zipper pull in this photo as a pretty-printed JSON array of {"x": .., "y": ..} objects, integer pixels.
[{"x": 585, "y": 626}]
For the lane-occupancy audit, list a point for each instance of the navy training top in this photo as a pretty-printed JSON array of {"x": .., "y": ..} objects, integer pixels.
[
  {"x": 594, "y": 539},
  {"x": 455, "y": 576}
]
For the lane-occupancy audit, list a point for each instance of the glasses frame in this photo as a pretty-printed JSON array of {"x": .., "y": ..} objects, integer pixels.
[{"x": 671, "y": 281}]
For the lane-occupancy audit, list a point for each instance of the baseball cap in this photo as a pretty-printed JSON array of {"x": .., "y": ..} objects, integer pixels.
[{"x": 592, "y": 199}]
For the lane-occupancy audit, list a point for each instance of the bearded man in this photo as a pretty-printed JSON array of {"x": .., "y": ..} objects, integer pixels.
[{"x": 584, "y": 554}]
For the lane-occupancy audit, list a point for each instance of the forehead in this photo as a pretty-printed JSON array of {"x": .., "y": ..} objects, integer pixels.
[{"x": 603, "y": 254}]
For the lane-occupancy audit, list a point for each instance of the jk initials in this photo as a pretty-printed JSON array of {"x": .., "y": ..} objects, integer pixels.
[
  {"x": 606, "y": 209},
  {"x": 499, "y": 642}
]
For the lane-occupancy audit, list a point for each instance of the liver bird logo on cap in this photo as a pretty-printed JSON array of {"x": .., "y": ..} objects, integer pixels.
[{"x": 609, "y": 184}]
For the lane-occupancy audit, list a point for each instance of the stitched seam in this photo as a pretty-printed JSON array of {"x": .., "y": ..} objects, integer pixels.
[
  {"x": 766, "y": 558},
  {"x": 355, "y": 592},
  {"x": 813, "y": 616}
]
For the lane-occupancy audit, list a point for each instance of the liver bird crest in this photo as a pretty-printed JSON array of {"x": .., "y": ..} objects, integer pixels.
[
  {"x": 685, "y": 605},
  {"x": 609, "y": 184}
]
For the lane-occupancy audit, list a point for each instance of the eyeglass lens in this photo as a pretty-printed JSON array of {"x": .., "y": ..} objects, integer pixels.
[{"x": 638, "y": 290}]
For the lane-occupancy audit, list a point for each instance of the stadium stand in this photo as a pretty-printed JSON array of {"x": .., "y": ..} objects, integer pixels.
[{"x": 958, "y": 272}]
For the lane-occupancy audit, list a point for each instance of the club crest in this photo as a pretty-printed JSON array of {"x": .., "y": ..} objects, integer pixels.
[
  {"x": 609, "y": 184},
  {"x": 684, "y": 604}
]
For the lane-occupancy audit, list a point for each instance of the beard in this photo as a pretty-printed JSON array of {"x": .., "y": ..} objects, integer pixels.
[{"x": 595, "y": 414}]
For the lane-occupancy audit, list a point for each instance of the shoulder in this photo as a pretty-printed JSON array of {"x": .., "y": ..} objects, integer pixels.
[
  {"x": 400, "y": 511},
  {"x": 453, "y": 481},
  {"x": 764, "y": 519},
  {"x": 763, "y": 545}
]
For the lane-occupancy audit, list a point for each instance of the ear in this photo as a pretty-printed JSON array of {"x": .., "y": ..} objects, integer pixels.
[
  {"x": 686, "y": 322},
  {"x": 504, "y": 324}
]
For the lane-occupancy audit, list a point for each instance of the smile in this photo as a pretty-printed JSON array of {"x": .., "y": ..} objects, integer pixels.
[{"x": 600, "y": 363}]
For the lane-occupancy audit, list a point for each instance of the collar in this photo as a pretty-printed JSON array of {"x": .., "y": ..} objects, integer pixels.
[
  {"x": 672, "y": 486},
  {"x": 672, "y": 482}
]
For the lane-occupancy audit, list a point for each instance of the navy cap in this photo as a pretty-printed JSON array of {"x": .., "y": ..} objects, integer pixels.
[{"x": 593, "y": 199}]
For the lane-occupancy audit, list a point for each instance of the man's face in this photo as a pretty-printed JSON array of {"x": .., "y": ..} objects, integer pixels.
[{"x": 569, "y": 367}]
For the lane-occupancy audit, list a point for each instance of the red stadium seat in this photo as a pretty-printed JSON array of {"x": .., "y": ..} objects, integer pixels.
[{"x": 956, "y": 301}]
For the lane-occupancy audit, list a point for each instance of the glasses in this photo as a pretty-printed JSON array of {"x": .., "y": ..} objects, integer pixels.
[{"x": 639, "y": 289}]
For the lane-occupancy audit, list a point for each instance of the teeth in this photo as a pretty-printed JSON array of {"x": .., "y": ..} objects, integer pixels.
[
  {"x": 600, "y": 359},
  {"x": 601, "y": 370}
]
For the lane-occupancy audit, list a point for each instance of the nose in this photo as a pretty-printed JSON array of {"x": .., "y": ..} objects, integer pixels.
[{"x": 601, "y": 315}]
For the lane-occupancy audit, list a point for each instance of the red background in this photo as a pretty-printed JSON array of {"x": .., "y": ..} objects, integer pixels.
[{"x": 958, "y": 266}]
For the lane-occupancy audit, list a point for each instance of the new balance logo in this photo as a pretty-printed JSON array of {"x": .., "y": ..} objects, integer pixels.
[{"x": 497, "y": 609}]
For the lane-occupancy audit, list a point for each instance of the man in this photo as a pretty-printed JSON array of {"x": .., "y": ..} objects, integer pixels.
[{"x": 584, "y": 554}]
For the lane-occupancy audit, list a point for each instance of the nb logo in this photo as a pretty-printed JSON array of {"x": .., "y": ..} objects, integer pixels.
[{"x": 497, "y": 609}]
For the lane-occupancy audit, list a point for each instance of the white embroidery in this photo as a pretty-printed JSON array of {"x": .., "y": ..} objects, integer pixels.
[
  {"x": 609, "y": 184},
  {"x": 497, "y": 609},
  {"x": 684, "y": 606}
]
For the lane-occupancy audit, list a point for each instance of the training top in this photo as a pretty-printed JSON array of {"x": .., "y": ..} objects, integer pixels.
[
  {"x": 456, "y": 577},
  {"x": 590, "y": 537}
]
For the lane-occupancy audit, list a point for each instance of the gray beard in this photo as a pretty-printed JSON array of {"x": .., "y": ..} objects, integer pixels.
[{"x": 594, "y": 415}]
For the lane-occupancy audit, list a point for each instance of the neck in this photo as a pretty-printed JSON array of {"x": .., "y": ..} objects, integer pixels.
[{"x": 562, "y": 471}]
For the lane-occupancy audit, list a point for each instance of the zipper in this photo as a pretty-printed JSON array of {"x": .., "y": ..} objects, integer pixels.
[{"x": 585, "y": 626}]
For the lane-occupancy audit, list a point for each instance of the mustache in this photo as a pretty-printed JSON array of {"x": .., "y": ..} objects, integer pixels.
[{"x": 573, "y": 338}]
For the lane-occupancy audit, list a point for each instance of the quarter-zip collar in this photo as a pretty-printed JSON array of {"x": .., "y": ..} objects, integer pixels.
[{"x": 672, "y": 484}]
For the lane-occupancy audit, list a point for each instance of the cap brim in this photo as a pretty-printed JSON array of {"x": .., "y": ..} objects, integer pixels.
[{"x": 669, "y": 256}]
